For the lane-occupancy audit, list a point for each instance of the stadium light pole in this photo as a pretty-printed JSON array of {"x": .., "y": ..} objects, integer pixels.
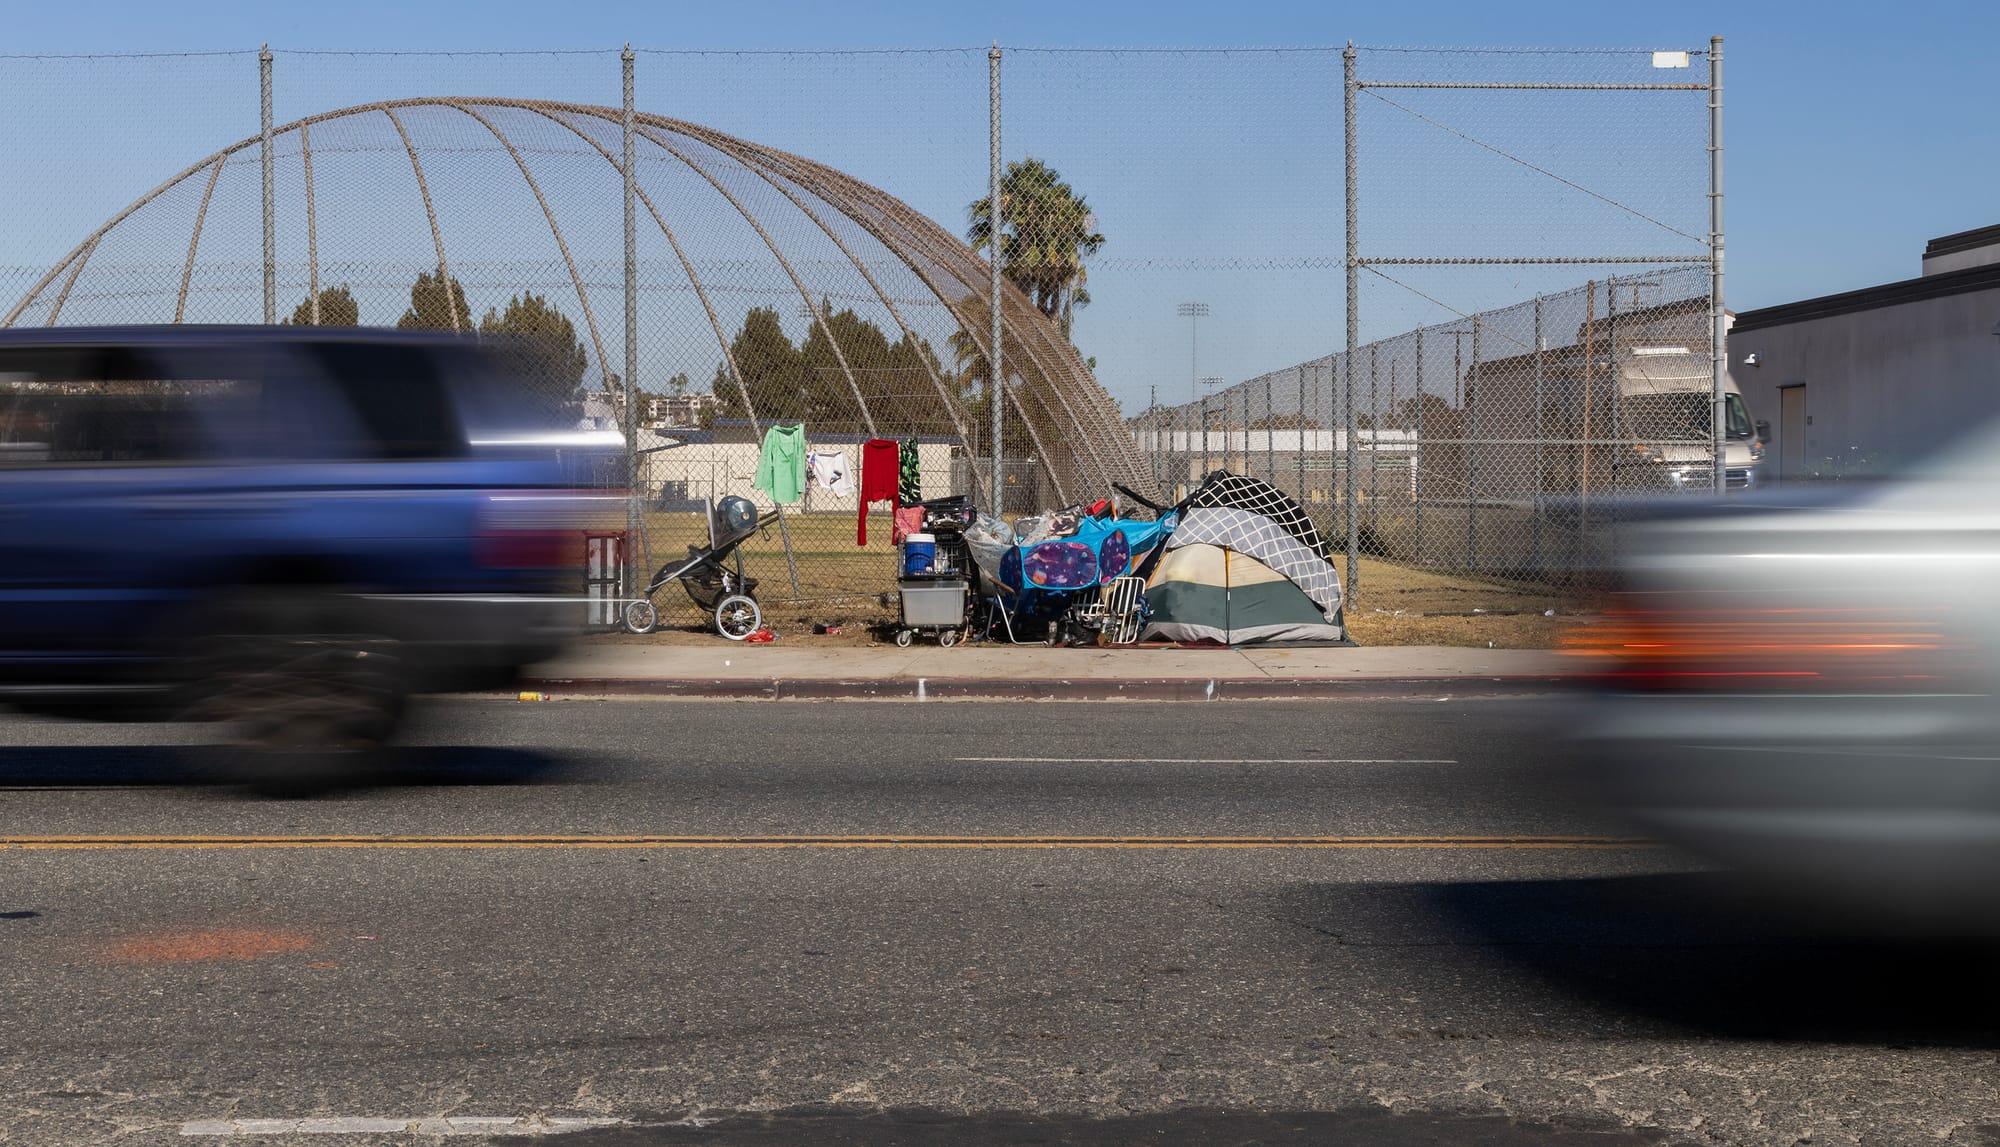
[{"x": 1194, "y": 313}]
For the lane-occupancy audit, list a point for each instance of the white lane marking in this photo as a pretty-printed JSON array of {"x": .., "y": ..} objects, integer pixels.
[
  {"x": 372, "y": 1125},
  {"x": 1209, "y": 760}
]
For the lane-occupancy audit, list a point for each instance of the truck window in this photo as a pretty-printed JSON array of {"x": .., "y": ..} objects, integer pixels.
[
  {"x": 101, "y": 406},
  {"x": 400, "y": 405}
]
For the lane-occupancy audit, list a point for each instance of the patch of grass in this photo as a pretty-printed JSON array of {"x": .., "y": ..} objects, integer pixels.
[{"x": 1401, "y": 605}]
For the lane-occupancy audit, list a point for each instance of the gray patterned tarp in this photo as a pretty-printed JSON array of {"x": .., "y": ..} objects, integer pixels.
[{"x": 1257, "y": 536}]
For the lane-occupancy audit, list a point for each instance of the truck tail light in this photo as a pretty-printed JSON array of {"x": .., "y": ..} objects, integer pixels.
[
  {"x": 1770, "y": 650},
  {"x": 533, "y": 530}
]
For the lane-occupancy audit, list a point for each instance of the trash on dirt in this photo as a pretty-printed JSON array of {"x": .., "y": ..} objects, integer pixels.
[
  {"x": 827, "y": 630},
  {"x": 761, "y": 636}
]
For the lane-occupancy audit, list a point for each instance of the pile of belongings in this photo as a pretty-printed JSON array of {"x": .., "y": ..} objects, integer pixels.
[
  {"x": 1244, "y": 565},
  {"x": 1071, "y": 549}
]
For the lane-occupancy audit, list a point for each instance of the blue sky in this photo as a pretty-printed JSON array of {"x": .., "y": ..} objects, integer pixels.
[{"x": 1855, "y": 131}]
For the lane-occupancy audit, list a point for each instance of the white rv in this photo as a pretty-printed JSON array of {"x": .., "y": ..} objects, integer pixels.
[{"x": 1665, "y": 395}]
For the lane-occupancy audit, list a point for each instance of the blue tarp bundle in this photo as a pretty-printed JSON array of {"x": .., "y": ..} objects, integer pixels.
[{"x": 1101, "y": 549}]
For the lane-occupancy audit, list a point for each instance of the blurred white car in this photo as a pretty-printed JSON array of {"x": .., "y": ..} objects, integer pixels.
[{"x": 1805, "y": 689}]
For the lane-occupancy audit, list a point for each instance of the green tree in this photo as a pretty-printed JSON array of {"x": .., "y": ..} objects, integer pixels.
[
  {"x": 550, "y": 355},
  {"x": 432, "y": 306},
  {"x": 773, "y": 371},
  {"x": 337, "y": 308},
  {"x": 1046, "y": 233}
]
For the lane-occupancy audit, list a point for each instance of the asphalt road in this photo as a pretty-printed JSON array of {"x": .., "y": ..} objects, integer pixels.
[{"x": 670, "y": 922}]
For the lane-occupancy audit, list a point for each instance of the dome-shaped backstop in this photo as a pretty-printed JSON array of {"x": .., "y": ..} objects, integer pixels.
[{"x": 740, "y": 249}]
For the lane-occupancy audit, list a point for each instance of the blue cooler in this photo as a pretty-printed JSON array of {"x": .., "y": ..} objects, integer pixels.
[{"x": 919, "y": 553}]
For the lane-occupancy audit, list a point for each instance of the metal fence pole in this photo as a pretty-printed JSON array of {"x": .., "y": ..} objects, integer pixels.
[
  {"x": 1421, "y": 447},
  {"x": 1541, "y": 434},
  {"x": 1300, "y": 452},
  {"x": 1353, "y": 323},
  {"x": 1719, "y": 326},
  {"x": 1374, "y": 449},
  {"x": 635, "y": 489},
  {"x": 1204, "y": 439},
  {"x": 1180, "y": 446},
  {"x": 1472, "y": 397},
  {"x": 1618, "y": 434},
  {"x": 996, "y": 216},
  {"x": 1270, "y": 434},
  {"x": 270, "y": 189}
]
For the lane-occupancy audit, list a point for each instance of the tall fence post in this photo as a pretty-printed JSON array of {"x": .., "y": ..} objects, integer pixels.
[
  {"x": 1719, "y": 325},
  {"x": 1270, "y": 434},
  {"x": 1299, "y": 454},
  {"x": 1472, "y": 403},
  {"x": 270, "y": 189},
  {"x": 1353, "y": 325},
  {"x": 994, "y": 369},
  {"x": 1374, "y": 449},
  {"x": 635, "y": 488},
  {"x": 1541, "y": 434},
  {"x": 1422, "y": 445}
]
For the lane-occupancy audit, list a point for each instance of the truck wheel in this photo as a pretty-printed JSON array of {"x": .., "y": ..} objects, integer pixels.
[{"x": 309, "y": 695}]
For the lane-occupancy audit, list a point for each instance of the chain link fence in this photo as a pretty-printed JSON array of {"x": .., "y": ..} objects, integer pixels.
[
  {"x": 809, "y": 245},
  {"x": 1538, "y": 224}
]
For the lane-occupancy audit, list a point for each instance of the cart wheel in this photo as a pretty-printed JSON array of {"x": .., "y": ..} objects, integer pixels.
[
  {"x": 640, "y": 616},
  {"x": 948, "y": 638},
  {"x": 737, "y": 616},
  {"x": 904, "y": 637}
]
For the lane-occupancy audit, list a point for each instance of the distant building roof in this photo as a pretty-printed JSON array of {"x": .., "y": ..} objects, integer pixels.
[{"x": 1986, "y": 278}]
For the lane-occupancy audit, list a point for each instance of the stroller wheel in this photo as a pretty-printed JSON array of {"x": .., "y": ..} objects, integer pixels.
[
  {"x": 904, "y": 637},
  {"x": 738, "y": 616},
  {"x": 640, "y": 616},
  {"x": 948, "y": 638}
]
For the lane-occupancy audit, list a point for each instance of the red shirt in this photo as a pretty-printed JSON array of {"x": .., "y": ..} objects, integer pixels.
[{"x": 881, "y": 470}]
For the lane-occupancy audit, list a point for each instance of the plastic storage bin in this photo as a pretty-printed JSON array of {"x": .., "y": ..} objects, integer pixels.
[{"x": 933, "y": 603}]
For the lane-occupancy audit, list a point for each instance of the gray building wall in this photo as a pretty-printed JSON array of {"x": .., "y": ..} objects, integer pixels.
[{"x": 1890, "y": 374}]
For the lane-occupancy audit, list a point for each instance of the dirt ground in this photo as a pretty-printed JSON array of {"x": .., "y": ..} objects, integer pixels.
[{"x": 853, "y": 589}]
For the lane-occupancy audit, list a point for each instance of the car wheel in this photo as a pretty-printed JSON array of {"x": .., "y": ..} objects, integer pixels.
[{"x": 309, "y": 695}]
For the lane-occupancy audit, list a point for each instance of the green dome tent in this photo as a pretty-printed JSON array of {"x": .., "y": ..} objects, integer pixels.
[{"x": 1245, "y": 565}]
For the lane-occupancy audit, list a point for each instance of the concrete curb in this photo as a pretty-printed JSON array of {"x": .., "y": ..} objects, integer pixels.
[{"x": 1060, "y": 689}]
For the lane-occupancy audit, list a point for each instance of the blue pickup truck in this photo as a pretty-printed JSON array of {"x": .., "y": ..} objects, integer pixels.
[{"x": 290, "y": 530}]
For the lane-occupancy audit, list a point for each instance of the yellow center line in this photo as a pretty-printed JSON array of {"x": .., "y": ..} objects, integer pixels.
[{"x": 594, "y": 841}]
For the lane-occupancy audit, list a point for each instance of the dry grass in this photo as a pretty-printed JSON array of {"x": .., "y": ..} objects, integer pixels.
[
  {"x": 1398, "y": 605},
  {"x": 853, "y": 587}
]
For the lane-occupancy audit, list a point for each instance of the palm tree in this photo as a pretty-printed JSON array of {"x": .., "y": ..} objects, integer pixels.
[{"x": 1045, "y": 236}]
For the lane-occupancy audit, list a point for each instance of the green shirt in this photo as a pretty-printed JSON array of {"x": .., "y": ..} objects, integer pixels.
[{"x": 781, "y": 466}]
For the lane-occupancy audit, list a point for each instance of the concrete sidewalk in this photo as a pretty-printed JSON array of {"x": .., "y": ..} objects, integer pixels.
[{"x": 785, "y": 670}]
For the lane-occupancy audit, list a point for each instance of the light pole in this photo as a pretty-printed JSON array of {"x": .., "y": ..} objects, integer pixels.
[{"x": 1194, "y": 313}]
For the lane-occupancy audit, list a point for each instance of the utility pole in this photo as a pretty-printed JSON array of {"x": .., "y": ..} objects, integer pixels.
[{"x": 1194, "y": 313}]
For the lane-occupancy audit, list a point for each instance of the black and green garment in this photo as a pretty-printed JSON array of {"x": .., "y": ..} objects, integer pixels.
[{"x": 910, "y": 489}]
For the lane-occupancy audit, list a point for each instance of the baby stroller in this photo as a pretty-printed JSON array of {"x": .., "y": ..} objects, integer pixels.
[{"x": 729, "y": 597}]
